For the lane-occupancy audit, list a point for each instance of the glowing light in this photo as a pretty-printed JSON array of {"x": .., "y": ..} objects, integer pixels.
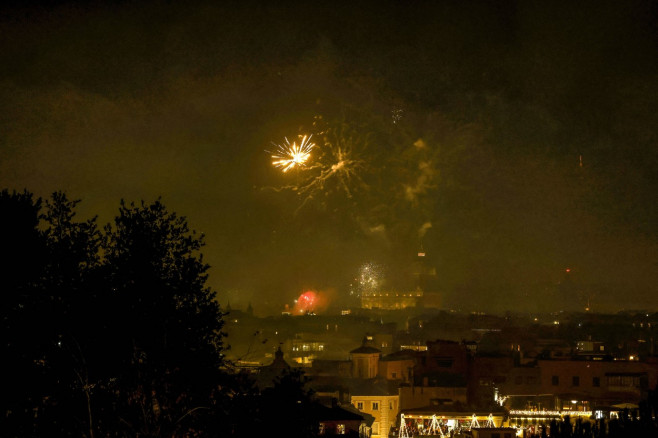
[
  {"x": 335, "y": 168},
  {"x": 547, "y": 414},
  {"x": 396, "y": 115},
  {"x": 289, "y": 156},
  {"x": 311, "y": 302},
  {"x": 370, "y": 278}
]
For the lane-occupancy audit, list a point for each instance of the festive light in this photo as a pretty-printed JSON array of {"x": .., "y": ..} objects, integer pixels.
[{"x": 289, "y": 156}]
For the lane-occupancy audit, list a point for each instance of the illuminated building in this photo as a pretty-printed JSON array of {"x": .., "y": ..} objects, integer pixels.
[
  {"x": 390, "y": 300},
  {"x": 593, "y": 350},
  {"x": 379, "y": 399},
  {"x": 417, "y": 420},
  {"x": 425, "y": 280},
  {"x": 418, "y": 288},
  {"x": 305, "y": 349}
]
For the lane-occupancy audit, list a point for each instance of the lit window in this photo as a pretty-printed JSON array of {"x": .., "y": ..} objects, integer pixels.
[{"x": 340, "y": 429}]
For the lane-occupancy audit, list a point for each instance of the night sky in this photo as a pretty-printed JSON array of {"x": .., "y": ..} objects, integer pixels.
[{"x": 509, "y": 141}]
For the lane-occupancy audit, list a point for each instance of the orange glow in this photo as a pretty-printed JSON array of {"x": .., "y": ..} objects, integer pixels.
[{"x": 311, "y": 302}]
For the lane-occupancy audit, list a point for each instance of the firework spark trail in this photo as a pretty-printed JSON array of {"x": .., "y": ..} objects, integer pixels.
[
  {"x": 339, "y": 166},
  {"x": 289, "y": 156},
  {"x": 342, "y": 167}
]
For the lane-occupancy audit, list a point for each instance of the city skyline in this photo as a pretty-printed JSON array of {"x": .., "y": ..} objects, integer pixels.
[{"x": 514, "y": 143}]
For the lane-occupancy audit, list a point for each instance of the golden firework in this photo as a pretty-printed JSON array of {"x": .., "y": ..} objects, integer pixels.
[{"x": 291, "y": 155}]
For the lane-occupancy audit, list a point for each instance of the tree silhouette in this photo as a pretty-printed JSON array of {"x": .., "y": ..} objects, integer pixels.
[
  {"x": 108, "y": 333},
  {"x": 22, "y": 256},
  {"x": 70, "y": 280},
  {"x": 112, "y": 332},
  {"x": 168, "y": 341}
]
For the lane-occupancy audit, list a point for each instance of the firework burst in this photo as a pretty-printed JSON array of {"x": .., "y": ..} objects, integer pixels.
[
  {"x": 289, "y": 156},
  {"x": 335, "y": 169},
  {"x": 370, "y": 278}
]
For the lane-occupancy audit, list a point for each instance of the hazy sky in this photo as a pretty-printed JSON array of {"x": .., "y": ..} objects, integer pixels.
[{"x": 510, "y": 140}]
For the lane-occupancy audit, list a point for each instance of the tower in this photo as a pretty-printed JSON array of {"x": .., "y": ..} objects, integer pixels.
[{"x": 425, "y": 279}]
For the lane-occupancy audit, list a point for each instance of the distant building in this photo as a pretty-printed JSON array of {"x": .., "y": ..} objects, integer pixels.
[
  {"x": 391, "y": 299},
  {"x": 442, "y": 358},
  {"x": 594, "y": 350},
  {"x": 592, "y": 384},
  {"x": 440, "y": 376},
  {"x": 365, "y": 360},
  {"x": 337, "y": 368},
  {"x": 446, "y": 395},
  {"x": 305, "y": 348},
  {"x": 379, "y": 399},
  {"x": 425, "y": 279},
  {"x": 268, "y": 374},
  {"x": 417, "y": 287},
  {"x": 398, "y": 366},
  {"x": 339, "y": 421},
  {"x": 383, "y": 341},
  {"x": 562, "y": 385}
]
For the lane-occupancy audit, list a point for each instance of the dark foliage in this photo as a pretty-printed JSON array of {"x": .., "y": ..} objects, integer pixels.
[
  {"x": 23, "y": 336},
  {"x": 108, "y": 333}
]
